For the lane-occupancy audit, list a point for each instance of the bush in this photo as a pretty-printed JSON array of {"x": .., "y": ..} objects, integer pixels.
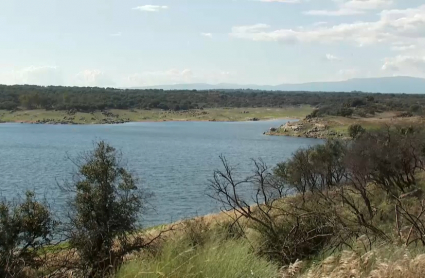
[
  {"x": 104, "y": 211},
  {"x": 286, "y": 233},
  {"x": 355, "y": 130},
  {"x": 25, "y": 228},
  {"x": 345, "y": 112},
  {"x": 358, "y": 102}
]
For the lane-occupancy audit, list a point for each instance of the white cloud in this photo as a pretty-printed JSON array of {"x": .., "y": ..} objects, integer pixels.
[
  {"x": 208, "y": 35},
  {"x": 251, "y": 28},
  {"x": 93, "y": 78},
  {"x": 406, "y": 64},
  {"x": 42, "y": 75},
  {"x": 393, "y": 26},
  {"x": 403, "y": 47},
  {"x": 340, "y": 12},
  {"x": 352, "y": 7},
  {"x": 332, "y": 58},
  {"x": 150, "y": 8},
  {"x": 115, "y": 34},
  {"x": 367, "y": 4}
]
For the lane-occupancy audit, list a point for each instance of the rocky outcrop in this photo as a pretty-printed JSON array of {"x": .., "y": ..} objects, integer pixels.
[
  {"x": 82, "y": 120},
  {"x": 309, "y": 128}
]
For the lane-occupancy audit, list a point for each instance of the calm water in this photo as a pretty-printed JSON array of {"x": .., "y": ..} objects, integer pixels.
[{"x": 173, "y": 159}]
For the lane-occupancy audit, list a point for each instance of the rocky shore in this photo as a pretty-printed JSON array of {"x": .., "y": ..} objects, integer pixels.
[
  {"x": 307, "y": 128},
  {"x": 110, "y": 118},
  {"x": 71, "y": 122}
]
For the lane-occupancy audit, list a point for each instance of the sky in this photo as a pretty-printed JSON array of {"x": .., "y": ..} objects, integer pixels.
[{"x": 134, "y": 43}]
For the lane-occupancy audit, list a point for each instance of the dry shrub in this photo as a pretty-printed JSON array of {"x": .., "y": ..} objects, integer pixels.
[
  {"x": 402, "y": 268},
  {"x": 196, "y": 231},
  {"x": 293, "y": 270},
  {"x": 380, "y": 263}
]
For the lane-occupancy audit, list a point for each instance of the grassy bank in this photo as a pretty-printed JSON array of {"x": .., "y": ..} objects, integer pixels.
[
  {"x": 118, "y": 116},
  {"x": 364, "y": 227},
  {"x": 211, "y": 247}
]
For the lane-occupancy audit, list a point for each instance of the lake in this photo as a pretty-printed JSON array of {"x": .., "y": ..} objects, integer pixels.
[{"x": 174, "y": 160}]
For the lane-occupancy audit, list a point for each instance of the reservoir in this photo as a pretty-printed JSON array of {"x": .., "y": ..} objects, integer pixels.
[{"x": 173, "y": 160}]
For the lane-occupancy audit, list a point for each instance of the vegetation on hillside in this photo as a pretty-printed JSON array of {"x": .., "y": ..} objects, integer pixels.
[
  {"x": 340, "y": 209},
  {"x": 88, "y": 99}
]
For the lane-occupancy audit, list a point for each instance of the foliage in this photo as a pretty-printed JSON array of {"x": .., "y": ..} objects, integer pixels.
[
  {"x": 346, "y": 182},
  {"x": 286, "y": 235},
  {"x": 88, "y": 99},
  {"x": 343, "y": 191},
  {"x": 325, "y": 198},
  {"x": 104, "y": 211},
  {"x": 355, "y": 130},
  {"x": 25, "y": 228},
  {"x": 314, "y": 169}
]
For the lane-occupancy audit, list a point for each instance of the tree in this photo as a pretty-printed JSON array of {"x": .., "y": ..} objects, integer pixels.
[
  {"x": 104, "y": 211},
  {"x": 345, "y": 112},
  {"x": 25, "y": 228},
  {"x": 355, "y": 130},
  {"x": 26, "y": 101},
  {"x": 315, "y": 169},
  {"x": 287, "y": 232}
]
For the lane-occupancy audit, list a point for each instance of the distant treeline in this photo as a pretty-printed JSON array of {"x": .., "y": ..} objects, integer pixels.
[{"x": 93, "y": 98}]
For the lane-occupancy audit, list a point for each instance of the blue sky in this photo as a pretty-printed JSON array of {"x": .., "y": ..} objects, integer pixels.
[{"x": 127, "y": 43}]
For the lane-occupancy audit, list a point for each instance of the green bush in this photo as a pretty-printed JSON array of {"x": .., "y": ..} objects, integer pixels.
[
  {"x": 25, "y": 229},
  {"x": 104, "y": 210},
  {"x": 355, "y": 130}
]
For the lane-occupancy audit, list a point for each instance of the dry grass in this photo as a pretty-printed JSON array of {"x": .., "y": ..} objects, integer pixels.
[
  {"x": 155, "y": 115},
  {"x": 382, "y": 262}
]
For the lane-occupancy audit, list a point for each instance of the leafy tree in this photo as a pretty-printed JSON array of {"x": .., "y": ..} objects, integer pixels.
[
  {"x": 25, "y": 228},
  {"x": 345, "y": 112},
  {"x": 355, "y": 130},
  {"x": 357, "y": 102},
  {"x": 105, "y": 210},
  {"x": 26, "y": 101}
]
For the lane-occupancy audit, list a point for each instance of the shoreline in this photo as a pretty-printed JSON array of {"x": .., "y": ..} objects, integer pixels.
[
  {"x": 117, "y": 116},
  {"x": 151, "y": 121}
]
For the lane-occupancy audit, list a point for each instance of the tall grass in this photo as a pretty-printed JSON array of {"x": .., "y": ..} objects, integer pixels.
[{"x": 216, "y": 259}]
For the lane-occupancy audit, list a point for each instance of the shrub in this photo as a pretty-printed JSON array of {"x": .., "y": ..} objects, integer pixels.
[
  {"x": 104, "y": 211},
  {"x": 345, "y": 112},
  {"x": 357, "y": 102},
  {"x": 355, "y": 130},
  {"x": 286, "y": 232},
  {"x": 25, "y": 228}
]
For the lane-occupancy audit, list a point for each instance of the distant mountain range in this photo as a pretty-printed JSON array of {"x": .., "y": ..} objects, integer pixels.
[{"x": 400, "y": 84}]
